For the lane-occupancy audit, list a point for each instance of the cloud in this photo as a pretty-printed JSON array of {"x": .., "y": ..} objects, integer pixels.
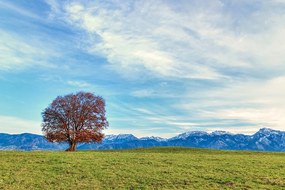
[
  {"x": 134, "y": 44},
  {"x": 256, "y": 103},
  {"x": 143, "y": 93},
  {"x": 238, "y": 107},
  {"x": 80, "y": 84},
  {"x": 15, "y": 125},
  {"x": 264, "y": 117},
  {"x": 29, "y": 40},
  {"x": 19, "y": 10},
  {"x": 192, "y": 40},
  {"x": 17, "y": 53},
  {"x": 144, "y": 111}
]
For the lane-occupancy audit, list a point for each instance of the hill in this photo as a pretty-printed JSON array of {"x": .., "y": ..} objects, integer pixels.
[
  {"x": 265, "y": 140},
  {"x": 152, "y": 168}
]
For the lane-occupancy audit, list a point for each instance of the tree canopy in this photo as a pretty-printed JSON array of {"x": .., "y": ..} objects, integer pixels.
[{"x": 75, "y": 118}]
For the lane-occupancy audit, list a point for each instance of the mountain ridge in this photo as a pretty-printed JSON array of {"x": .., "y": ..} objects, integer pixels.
[{"x": 265, "y": 139}]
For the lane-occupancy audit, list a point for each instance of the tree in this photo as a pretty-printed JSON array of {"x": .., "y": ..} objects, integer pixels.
[{"x": 75, "y": 118}]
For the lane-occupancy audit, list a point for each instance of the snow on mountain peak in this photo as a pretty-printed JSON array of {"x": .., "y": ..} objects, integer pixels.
[
  {"x": 267, "y": 131},
  {"x": 120, "y": 137},
  {"x": 153, "y": 138},
  {"x": 220, "y": 133},
  {"x": 189, "y": 133}
]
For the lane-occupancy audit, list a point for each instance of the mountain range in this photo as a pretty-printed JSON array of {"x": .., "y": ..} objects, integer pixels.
[{"x": 263, "y": 140}]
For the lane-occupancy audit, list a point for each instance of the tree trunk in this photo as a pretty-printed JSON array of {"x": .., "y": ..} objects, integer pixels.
[{"x": 72, "y": 147}]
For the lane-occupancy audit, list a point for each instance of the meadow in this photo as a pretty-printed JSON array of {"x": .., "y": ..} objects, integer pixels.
[{"x": 152, "y": 168}]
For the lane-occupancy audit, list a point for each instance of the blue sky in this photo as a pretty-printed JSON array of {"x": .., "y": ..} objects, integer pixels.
[{"x": 163, "y": 67}]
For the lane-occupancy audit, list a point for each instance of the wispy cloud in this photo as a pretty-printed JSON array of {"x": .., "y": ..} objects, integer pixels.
[
  {"x": 10, "y": 124},
  {"x": 21, "y": 11},
  {"x": 17, "y": 53},
  {"x": 143, "y": 93},
  {"x": 182, "y": 41},
  {"x": 80, "y": 84},
  {"x": 259, "y": 103},
  {"x": 128, "y": 36}
]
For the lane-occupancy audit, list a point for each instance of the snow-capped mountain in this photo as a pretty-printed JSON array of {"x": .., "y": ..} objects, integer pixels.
[
  {"x": 153, "y": 138},
  {"x": 265, "y": 140},
  {"x": 184, "y": 136},
  {"x": 268, "y": 139},
  {"x": 221, "y": 133},
  {"x": 119, "y": 138}
]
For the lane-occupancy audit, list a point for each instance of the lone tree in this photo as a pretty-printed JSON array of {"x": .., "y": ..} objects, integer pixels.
[{"x": 75, "y": 118}]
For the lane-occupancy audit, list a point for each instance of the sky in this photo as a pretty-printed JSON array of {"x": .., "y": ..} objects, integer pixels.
[{"x": 163, "y": 67}]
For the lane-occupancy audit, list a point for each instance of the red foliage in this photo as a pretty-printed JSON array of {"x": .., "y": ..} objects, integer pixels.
[{"x": 75, "y": 118}]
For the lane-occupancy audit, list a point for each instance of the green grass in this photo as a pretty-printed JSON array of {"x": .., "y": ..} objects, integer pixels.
[{"x": 154, "y": 168}]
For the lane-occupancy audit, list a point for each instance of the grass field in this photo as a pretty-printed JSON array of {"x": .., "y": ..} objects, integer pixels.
[{"x": 154, "y": 168}]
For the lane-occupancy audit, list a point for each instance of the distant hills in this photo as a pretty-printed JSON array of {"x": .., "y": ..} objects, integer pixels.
[{"x": 264, "y": 140}]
